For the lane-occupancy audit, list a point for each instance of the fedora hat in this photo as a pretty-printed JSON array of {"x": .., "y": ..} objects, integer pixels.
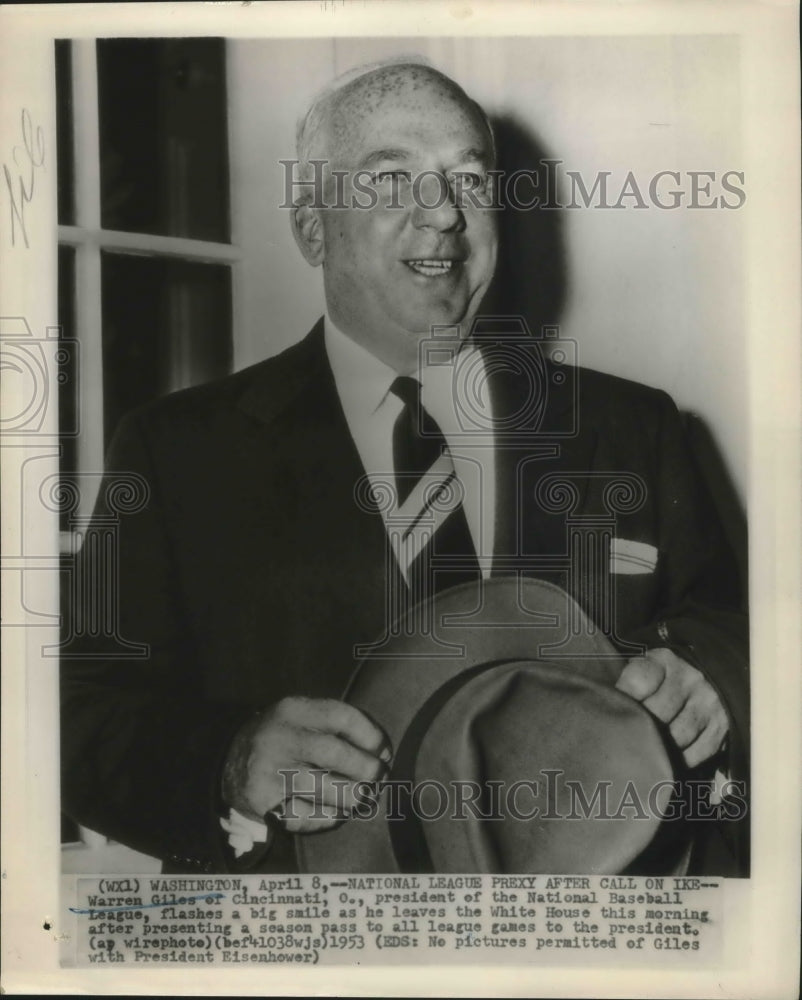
[{"x": 512, "y": 749}]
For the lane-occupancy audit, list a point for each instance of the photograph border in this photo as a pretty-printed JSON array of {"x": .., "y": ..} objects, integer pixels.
[{"x": 760, "y": 957}]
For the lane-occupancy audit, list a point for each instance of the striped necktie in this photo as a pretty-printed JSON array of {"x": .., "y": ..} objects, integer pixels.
[{"x": 437, "y": 550}]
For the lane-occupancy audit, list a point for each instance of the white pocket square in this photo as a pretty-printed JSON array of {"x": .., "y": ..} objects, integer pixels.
[{"x": 628, "y": 557}]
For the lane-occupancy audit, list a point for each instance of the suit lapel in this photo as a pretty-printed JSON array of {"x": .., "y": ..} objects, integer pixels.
[{"x": 305, "y": 422}]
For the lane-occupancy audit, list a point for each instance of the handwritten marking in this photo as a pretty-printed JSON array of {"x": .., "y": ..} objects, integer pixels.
[
  {"x": 148, "y": 906},
  {"x": 22, "y": 185}
]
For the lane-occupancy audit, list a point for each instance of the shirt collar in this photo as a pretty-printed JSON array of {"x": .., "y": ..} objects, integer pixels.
[{"x": 363, "y": 380}]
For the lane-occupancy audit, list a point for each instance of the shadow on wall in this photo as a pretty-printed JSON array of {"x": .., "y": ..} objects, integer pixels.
[
  {"x": 532, "y": 281},
  {"x": 532, "y": 273}
]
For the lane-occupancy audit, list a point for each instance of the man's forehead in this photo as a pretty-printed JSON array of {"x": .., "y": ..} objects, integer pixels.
[
  {"x": 398, "y": 97},
  {"x": 408, "y": 81}
]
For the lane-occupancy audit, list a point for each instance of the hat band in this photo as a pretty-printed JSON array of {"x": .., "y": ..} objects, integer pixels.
[{"x": 406, "y": 832}]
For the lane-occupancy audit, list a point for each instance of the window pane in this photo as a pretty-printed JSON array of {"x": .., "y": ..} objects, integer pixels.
[
  {"x": 163, "y": 136},
  {"x": 65, "y": 149},
  {"x": 166, "y": 326}
]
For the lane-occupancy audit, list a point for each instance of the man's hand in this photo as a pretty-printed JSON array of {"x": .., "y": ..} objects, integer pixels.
[
  {"x": 679, "y": 695},
  {"x": 302, "y": 735}
]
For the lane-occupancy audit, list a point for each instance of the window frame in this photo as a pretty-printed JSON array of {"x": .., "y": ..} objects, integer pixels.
[{"x": 89, "y": 239}]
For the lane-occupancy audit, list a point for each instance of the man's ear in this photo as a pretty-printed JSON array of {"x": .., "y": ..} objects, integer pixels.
[{"x": 307, "y": 228}]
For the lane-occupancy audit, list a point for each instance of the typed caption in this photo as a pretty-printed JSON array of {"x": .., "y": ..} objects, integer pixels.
[{"x": 238, "y": 921}]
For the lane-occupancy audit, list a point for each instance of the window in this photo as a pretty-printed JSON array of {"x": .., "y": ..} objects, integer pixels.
[
  {"x": 145, "y": 252},
  {"x": 145, "y": 257}
]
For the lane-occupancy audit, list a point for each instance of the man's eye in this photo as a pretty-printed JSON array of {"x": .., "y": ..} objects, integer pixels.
[{"x": 391, "y": 176}]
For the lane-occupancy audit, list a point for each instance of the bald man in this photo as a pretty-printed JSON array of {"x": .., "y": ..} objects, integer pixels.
[{"x": 253, "y": 573}]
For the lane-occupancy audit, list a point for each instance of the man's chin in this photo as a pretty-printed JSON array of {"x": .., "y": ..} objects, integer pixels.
[{"x": 425, "y": 321}]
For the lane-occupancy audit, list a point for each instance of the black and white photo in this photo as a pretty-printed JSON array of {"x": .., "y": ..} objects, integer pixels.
[{"x": 396, "y": 432}]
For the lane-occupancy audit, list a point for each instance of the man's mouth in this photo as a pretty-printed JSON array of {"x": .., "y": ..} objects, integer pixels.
[{"x": 431, "y": 267}]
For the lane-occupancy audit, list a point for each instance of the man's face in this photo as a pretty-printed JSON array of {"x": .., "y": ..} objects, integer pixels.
[{"x": 392, "y": 272}]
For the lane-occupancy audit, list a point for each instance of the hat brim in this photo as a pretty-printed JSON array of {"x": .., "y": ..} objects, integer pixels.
[{"x": 475, "y": 630}]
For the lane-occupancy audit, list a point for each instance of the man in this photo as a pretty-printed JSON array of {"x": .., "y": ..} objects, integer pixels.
[{"x": 252, "y": 573}]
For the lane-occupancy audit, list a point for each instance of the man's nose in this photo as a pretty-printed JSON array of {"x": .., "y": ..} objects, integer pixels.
[{"x": 433, "y": 203}]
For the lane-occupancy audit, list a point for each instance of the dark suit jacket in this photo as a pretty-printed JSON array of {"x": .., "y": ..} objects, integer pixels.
[{"x": 250, "y": 573}]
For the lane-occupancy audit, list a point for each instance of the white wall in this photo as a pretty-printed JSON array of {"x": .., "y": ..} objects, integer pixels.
[{"x": 652, "y": 295}]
